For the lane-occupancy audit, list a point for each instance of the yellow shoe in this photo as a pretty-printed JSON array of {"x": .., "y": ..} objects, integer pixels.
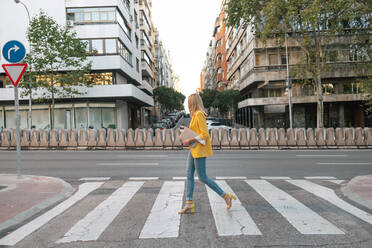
[
  {"x": 188, "y": 208},
  {"x": 228, "y": 199}
]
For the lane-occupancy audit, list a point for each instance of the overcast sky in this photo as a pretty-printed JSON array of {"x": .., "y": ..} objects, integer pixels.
[{"x": 186, "y": 28}]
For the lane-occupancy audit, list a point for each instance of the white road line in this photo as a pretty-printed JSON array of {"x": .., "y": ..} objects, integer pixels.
[
  {"x": 345, "y": 163},
  {"x": 301, "y": 217},
  {"x": 336, "y": 181},
  {"x": 96, "y": 221},
  {"x": 275, "y": 178},
  {"x": 19, "y": 234},
  {"x": 142, "y": 156},
  {"x": 114, "y": 164},
  {"x": 320, "y": 177},
  {"x": 95, "y": 178},
  {"x": 143, "y": 178},
  {"x": 184, "y": 178},
  {"x": 231, "y": 178},
  {"x": 235, "y": 221},
  {"x": 323, "y": 155},
  {"x": 164, "y": 220},
  {"x": 330, "y": 196}
]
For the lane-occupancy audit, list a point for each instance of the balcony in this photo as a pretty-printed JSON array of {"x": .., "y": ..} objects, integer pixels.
[
  {"x": 126, "y": 92},
  {"x": 146, "y": 87},
  {"x": 146, "y": 69},
  {"x": 302, "y": 99}
]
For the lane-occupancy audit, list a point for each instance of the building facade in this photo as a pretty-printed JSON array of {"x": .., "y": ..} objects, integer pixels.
[{"x": 118, "y": 34}]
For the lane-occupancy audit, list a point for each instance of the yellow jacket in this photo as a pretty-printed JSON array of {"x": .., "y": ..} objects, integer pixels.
[{"x": 198, "y": 124}]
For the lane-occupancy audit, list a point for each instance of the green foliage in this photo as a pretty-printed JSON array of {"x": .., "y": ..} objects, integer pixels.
[
  {"x": 58, "y": 60},
  {"x": 208, "y": 96},
  {"x": 227, "y": 100},
  {"x": 168, "y": 98},
  {"x": 315, "y": 26}
]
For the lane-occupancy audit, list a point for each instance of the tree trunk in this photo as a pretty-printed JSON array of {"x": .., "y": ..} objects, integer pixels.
[
  {"x": 319, "y": 103},
  {"x": 52, "y": 119}
]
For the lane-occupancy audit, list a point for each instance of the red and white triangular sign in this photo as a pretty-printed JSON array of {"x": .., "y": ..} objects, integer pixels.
[{"x": 14, "y": 72}]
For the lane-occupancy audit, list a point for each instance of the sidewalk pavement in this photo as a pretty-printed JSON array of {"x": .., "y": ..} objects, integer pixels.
[
  {"x": 22, "y": 198},
  {"x": 359, "y": 189}
]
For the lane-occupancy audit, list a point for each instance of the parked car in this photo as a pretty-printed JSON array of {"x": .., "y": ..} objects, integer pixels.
[
  {"x": 160, "y": 125},
  {"x": 217, "y": 125}
]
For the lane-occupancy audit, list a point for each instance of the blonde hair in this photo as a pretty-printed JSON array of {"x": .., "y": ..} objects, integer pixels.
[{"x": 195, "y": 103}]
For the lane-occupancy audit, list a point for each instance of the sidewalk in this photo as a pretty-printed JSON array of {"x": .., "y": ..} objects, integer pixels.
[
  {"x": 20, "y": 199},
  {"x": 359, "y": 189}
]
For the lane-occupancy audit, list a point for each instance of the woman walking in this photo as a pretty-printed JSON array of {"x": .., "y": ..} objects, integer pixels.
[{"x": 198, "y": 154}]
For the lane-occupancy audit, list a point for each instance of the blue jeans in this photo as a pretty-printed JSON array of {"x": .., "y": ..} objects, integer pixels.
[{"x": 199, "y": 164}]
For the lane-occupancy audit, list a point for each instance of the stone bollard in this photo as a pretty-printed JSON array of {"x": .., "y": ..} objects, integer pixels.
[
  {"x": 262, "y": 142},
  {"x": 73, "y": 138},
  {"x": 291, "y": 139},
  {"x": 82, "y": 139},
  {"x": 319, "y": 137},
  {"x": 102, "y": 138},
  {"x": 168, "y": 138},
  {"x": 158, "y": 142},
  {"x": 340, "y": 138},
  {"x": 120, "y": 140},
  {"x": 177, "y": 141},
  {"x": 272, "y": 137},
  {"x": 5, "y": 138},
  {"x": 330, "y": 137},
  {"x": 130, "y": 138},
  {"x": 243, "y": 137},
  {"x": 368, "y": 136},
  {"x": 53, "y": 141},
  {"x": 139, "y": 139},
  {"x": 149, "y": 142},
  {"x": 44, "y": 138},
  {"x": 301, "y": 138},
  {"x": 13, "y": 141},
  {"x": 234, "y": 142},
  {"x": 63, "y": 139},
  {"x": 359, "y": 137},
  {"x": 92, "y": 138},
  {"x": 253, "y": 138},
  {"x": 349, "y": 137},
  {"x": 282, "y": 138},
  {"x": 310, "y": 138},
  {"x": 111, "y": 137},
  {"x": 225, "y": 143},
  {"x": 216, "y": 143},
  {"x": 35, "y": 138},
  {"x": 25, "y": 139}
]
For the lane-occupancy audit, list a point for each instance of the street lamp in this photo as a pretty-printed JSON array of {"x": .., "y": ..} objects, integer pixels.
[
  {"x": 288, "y": 81},
  {"x": 30, "y": 77}
]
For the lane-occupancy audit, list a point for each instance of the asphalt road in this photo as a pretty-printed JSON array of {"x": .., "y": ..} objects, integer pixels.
[
  {"x": 269, "y": 212},
  {"x": 71, "y": 165}
]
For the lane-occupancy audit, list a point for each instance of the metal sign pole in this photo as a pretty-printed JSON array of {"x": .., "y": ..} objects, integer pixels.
[{"x": 18, "y": 138}]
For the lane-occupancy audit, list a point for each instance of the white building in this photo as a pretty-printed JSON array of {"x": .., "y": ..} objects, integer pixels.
[{"x": 111, "y": 29}]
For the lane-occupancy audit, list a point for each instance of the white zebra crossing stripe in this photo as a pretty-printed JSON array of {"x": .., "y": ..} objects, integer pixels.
[
  {"x": 336, "y": 181},
  {"x": 19, "y": 234},
  {"x": 235, "y": 221},
  {"x": 231, "y": 178},
  {"x": 95, "y": 178},
  {"x": 164, "y": 220},
  {"x": 143, "y": 178},
  {"x": 301, "y": 217},
  {"x": 96, "y": 222},
  {"x": 320, "y": 177},
  {"x": 330, "y": 196},
  {"x": 275, "y": 178}
]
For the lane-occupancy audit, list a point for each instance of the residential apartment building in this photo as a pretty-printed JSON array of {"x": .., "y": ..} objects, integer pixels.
[
  {"x": 259, "y": 72},
  {"x": 163, "y": 66},
  {"x": 119, "y": 41}
]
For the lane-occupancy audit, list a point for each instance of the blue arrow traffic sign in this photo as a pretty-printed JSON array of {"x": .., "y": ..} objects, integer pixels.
[{"x": 14, "y": 51}]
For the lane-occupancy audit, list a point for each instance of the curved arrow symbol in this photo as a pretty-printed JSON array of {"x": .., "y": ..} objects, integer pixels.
[{"x": 15, "y": 49}]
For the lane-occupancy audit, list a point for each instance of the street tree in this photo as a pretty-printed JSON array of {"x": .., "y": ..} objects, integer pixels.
[
  {"x": 208, "y": 96},
  {"x": 168, "y": 98},
  {"x": 314, "y": 25},
  {"x": 227, "y": 101},
  {"x": 58, "y": 60}
]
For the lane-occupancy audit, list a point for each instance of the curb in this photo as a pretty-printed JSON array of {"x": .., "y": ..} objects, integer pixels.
[
  {"x": 66, "y": 191},
  {"x": 348, "y": 192}
]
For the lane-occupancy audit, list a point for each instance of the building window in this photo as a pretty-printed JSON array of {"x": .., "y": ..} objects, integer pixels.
[
  {"x": 124, "y": 24},
  {"x": 125, "y": 53},
  {"x": 137, "y": 41},
  {"x": 127, "y": 5},
  {"x": 219, "y": 71},
  {"x": 110, "y": 46},
  {"x": 103, "y": 78},
  {"x": 144, "y": 21},
  {"x": 218, "y": 43},
  {"x": 88, "y": 15},
  {"x": 137, "y": 64},
  {"x": 146, "y": 58},
  {"x": 273, "y": 59},
  {"x": 145, "y": 39},
  {"x": 97, "y": 46},
  {"x": 257, "y": 59},
  {"x": 101, "y": 46},
  {"x": 283, "y": 59}
]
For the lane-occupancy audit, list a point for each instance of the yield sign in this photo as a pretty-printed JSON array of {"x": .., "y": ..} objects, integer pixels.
[{"x": 14, "y": 72}]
